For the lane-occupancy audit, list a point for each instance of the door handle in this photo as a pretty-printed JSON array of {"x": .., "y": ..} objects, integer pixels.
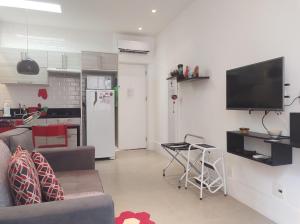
[{"x": 96, "y": 98}]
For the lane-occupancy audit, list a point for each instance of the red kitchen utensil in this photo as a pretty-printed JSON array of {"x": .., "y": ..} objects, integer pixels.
[
  {"x": 32, "y": 109},
  {"x": 43, "y": 93}
]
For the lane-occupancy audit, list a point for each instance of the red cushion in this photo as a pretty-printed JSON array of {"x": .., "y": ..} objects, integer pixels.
[
  {"x": 23, "y": 179},
  {"x": 51, "y": 189}
]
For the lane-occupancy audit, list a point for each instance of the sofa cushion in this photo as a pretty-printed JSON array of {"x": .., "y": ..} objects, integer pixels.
[
  {"x": 83, "y": 195},
  {"x": 50, "y": 187},
  {"x": 5, "y": 196},
  {"x": 16, "y": 137},
  {"x": 23, "y": 179},
  {"x": 78, "y": 182}
]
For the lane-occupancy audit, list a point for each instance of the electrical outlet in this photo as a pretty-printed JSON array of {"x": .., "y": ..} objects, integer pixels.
[{"x": 278, "y": 190}]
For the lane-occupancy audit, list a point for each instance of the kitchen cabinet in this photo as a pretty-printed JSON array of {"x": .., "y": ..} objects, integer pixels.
[
  {"x": 40, "y": 79},
  {"x": 41, "y": 57},
  {"x": 9, "y": 56},
  {"x": 72, "y": 133},
  {"x": 8, "y": 63},
  {"x": 55, "y": 59},
  {"x": 62, "y": 60},
  {"x": 73, "y": 60},
  {"x": 109, "y": 62},
  {"x": 9, "y": 59},
  {"x": 40, "y": 140},
  {"x": 9, "y": 75},
  {"x": 96, "y": 61}
]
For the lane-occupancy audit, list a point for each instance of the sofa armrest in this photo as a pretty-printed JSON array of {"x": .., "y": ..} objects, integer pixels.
[
  {"x": 67, "y": 159},
  {"x": 89, "y": 210}
]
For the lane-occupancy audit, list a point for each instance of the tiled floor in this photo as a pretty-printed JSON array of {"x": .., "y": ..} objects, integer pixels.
[{"x": 136, "y": 183}]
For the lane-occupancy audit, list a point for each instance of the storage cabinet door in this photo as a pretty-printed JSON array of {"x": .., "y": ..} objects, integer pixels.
[
  {"x": 40, "y": 79},
  {"x": 72, "y": 133},
  {"x": 40, "y": 140},
  {"x": 8, "y": 74},
  {"x": 91, "y": 61},
  {"x": 55, "y": 59},
  {"x": 109, "y": 62},
  {"x": 9, "y": 59},
  {"x": 73, "y": 61},
  {"x": 9, "y": 56},
  {"x": 41, "y": 57}
]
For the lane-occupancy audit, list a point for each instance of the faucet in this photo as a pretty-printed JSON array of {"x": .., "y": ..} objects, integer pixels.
[{"x": 22, "y": 110}]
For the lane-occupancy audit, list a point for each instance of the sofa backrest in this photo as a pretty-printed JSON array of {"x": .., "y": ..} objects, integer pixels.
[
  {"x": 5, "y": 196},
  {"x": 16, "y": 137}
]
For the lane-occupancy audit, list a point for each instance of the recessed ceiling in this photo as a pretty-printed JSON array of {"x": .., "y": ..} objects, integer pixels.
[{"x": 124, "y": 16}]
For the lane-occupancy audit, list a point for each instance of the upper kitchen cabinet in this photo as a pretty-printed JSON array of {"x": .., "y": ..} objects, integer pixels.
[
  {"x": 10, "y": 56},
  {"x": 40, "y": 79},
  {"x": 55, "y": 60},
  {"x": 64, "y": 61},
  {"x": 96, "y": 61},
  {"x": 109, "y": 62},
  {"x": 9, "y": 59},
  {"x": 41, "y": 57},
  {"x": 73, "y": 61}
]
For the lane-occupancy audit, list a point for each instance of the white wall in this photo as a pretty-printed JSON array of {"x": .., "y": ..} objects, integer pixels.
[{"x": 219, "y": 35}]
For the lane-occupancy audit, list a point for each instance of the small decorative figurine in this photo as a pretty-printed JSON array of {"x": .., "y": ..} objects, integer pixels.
[
  {"x": 196, "y": 72},
  {"x": 180, "y": 70},
  {"x": 187, "y": 71}
]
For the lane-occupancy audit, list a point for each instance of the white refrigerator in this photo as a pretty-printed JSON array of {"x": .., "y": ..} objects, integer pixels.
[{"x": 100, "y": 115}]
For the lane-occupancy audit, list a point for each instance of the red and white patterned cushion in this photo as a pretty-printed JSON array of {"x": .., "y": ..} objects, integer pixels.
[
  {"x": 51, "y": 189},
  {"x": 23, "y": 179}
]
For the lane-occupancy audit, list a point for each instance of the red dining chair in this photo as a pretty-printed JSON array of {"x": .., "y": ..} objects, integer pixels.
[{"x": 50, "y": 131}]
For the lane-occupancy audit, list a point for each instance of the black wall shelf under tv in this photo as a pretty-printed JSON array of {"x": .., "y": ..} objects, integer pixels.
[{"x": 281, "y": 151}]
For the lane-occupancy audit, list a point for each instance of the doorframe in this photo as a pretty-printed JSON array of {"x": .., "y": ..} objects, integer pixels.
[{"x": 147, "y": 98}]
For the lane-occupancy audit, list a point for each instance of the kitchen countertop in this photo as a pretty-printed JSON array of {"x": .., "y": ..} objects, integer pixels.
[{"x": 52, "y": 113}]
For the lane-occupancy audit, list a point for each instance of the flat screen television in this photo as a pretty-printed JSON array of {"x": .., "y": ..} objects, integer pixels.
[{"x": 256, "y": 87}]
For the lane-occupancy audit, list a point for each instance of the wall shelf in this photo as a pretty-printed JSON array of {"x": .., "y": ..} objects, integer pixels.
[
  {"x": 188, "y": 79},
  {"x": 192, "y": 79},
  {"x": 281, "y": 151},
  {"x": 171, "y": 77}
]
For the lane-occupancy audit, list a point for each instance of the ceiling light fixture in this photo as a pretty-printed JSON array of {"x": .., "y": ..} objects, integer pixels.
[
  {"x": 140, "y": 28},
  {"x": 154, "y": 11},
  {"x": 32, "y": 5}
]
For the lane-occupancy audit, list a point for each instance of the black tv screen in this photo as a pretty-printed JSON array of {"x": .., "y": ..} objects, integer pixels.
[{"x": 256, "y": 87}]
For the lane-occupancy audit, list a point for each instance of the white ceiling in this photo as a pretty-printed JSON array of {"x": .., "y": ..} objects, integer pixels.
[{"x": 123, "y": 16}]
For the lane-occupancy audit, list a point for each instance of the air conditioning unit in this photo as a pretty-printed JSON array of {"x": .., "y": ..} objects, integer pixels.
[{"x": 136, "y": 47}]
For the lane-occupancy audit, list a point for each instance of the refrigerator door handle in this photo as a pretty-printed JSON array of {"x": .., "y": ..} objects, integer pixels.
[{"x": 96, "y": 98}]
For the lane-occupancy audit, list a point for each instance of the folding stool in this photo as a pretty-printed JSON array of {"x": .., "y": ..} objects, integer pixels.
[
  {"x": 178, "y": 151},
  {"x": 210, "y": 175}
]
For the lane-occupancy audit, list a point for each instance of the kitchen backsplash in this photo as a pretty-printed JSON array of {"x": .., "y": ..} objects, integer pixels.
[{"x": 63, "y": 92}]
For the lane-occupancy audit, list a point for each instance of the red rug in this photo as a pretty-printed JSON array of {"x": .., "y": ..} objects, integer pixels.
[{"x": 134, "y": 218}]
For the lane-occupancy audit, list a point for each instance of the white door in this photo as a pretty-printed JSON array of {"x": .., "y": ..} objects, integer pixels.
[{"x": 132, "y": 107}]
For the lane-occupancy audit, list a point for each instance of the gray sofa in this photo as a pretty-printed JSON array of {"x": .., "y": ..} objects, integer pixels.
[{"x": 85, "y": 201}]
